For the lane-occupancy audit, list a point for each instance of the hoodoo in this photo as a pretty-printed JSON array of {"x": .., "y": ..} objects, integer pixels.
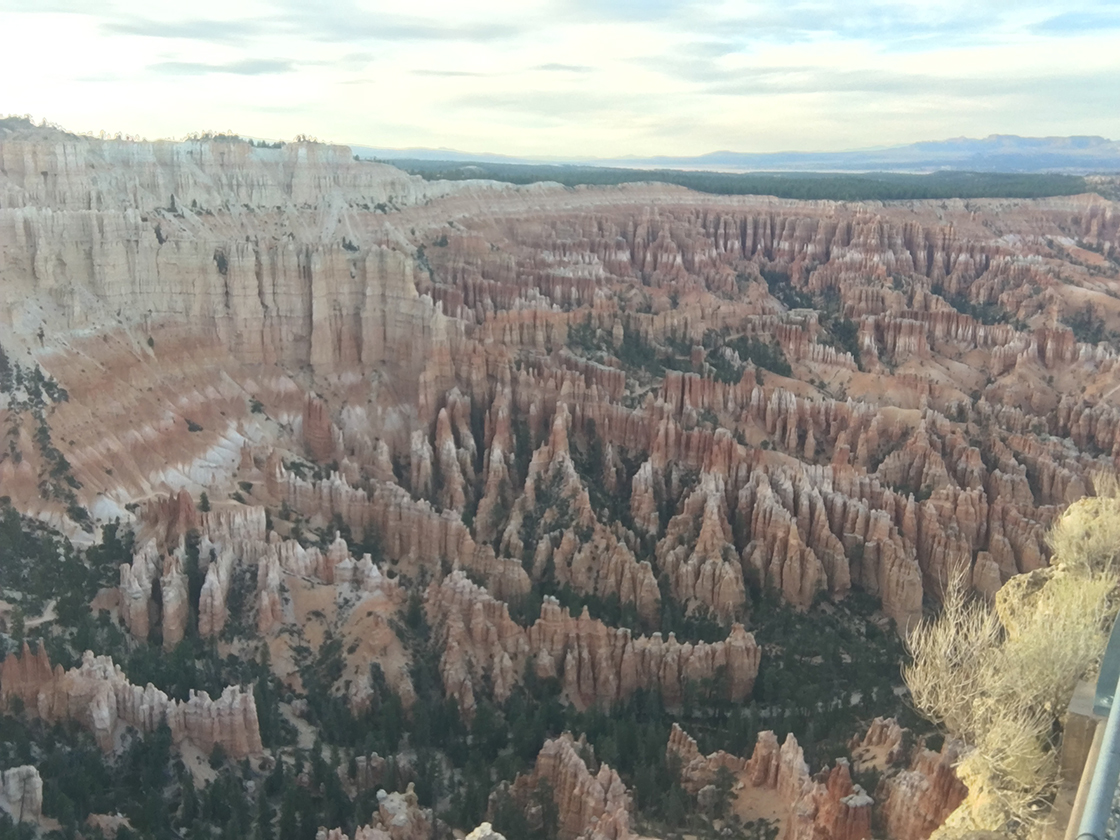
[{"x": 337, "y": 502}]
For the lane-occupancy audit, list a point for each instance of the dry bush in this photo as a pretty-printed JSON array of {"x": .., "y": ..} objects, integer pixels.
[
  {"x": 1088, "y": 534},
  {"x": 998, "y": 677},
  {"x": 951, "y": 659}
]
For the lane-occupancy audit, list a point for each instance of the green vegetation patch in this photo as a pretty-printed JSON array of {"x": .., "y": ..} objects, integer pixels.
[{"x": 877, "y": 186}]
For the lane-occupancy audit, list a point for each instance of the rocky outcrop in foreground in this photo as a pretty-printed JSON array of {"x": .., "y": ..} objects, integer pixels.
[{"x": 99, "y": 696}]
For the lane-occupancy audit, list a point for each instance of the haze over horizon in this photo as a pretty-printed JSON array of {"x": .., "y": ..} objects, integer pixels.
[{"x": 571, "y": 78}]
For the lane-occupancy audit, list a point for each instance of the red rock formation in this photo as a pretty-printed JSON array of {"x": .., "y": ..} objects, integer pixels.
[
  {"x": 832, "y": 477},
  {"x": 477, "y": 637},
  {"x": 172, "y": 517},
  {"x": 317, "y": 432},
  {"x": 698, "y": 555},
  {"x": 602, "y": 565},
  {"x": 596, "y": 664},
  {"x": 881, "y": 745},
  {"x": 136, "y": 590},
  {"x": 98, "y": 695},
  {"x": 776, "y": 556},
  {"x": 270, "y": 605},
  {"x": 838, "y": 809},
  {"x": 828, "y": 807},
  {"x": 452, "y": 487},
  {"x": 591, "y": 806},
  {"x": 497, "y": 495},
  {"x": 421, "y": 456},
  {"x": 696, "y": 770},
  {"x": 410, "y": 531},
  {"x": 212, "y": 611},
  {"x": 919, "y": 799},
  {"x": 173, "y": 589},
  {"x": 551, "y": 485},
  {"x": 230, "y": 536}
]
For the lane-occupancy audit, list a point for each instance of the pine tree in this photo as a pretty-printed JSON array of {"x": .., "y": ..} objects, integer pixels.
[
  {"x": 265, "y": 830},
  {"x": 289, "y": 821}
]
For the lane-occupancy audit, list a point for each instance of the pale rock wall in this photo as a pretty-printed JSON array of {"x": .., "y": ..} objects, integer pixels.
[
  {"x": 23, "y": 792},
  {"x": 485, "y": 832}
]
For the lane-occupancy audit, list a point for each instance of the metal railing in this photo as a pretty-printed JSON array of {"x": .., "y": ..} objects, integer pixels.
[{"x": 1094, "y": 808}]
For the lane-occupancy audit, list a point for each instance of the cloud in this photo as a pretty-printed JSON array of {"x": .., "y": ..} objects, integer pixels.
[
  {"x": 48, "y": 6},
  {"x": 246, "y": 67},
  {"x": 564, "y": 68},
  {"x": 390, "y": 29},
  {"x": 604, "y": 77},
  {"x": 816, "y": 80},
  {"x": 346, "y": 21},
  {"x": 628, "y": 10},
  {"x": 1079, "y": 21},
  {"x": 341, "y": 22},
  {"x": 215, "y": 31},
  {"x": 446, "y": 73},
  {"x": 549, "y": 104},
  {"x": 889, "y": 25}
]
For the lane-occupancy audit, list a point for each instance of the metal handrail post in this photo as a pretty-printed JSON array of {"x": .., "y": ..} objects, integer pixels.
[{"x": 1098, "y": 806}]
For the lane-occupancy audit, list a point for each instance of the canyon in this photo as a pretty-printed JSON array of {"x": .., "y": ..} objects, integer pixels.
[{"x": 580, "y": 438}]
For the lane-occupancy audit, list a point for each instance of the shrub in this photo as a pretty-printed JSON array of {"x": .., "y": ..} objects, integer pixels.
[{"x": 217, "y": 756}]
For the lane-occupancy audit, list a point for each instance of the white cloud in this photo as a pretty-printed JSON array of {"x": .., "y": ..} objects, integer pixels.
[{"x": 569, "y": 77}]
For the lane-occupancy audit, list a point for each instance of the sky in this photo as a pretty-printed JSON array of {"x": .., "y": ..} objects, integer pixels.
[{"x": 568, "y": 78}]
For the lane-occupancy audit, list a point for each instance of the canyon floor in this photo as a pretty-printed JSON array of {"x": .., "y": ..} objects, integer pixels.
[{"x": 339, "y": 502}]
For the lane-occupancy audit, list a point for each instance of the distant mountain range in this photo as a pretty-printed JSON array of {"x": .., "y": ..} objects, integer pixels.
[{"x": 997, "y": 153}]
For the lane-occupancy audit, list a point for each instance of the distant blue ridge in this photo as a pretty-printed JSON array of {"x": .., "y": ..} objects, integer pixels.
[{"x": 997, "y": 153}]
